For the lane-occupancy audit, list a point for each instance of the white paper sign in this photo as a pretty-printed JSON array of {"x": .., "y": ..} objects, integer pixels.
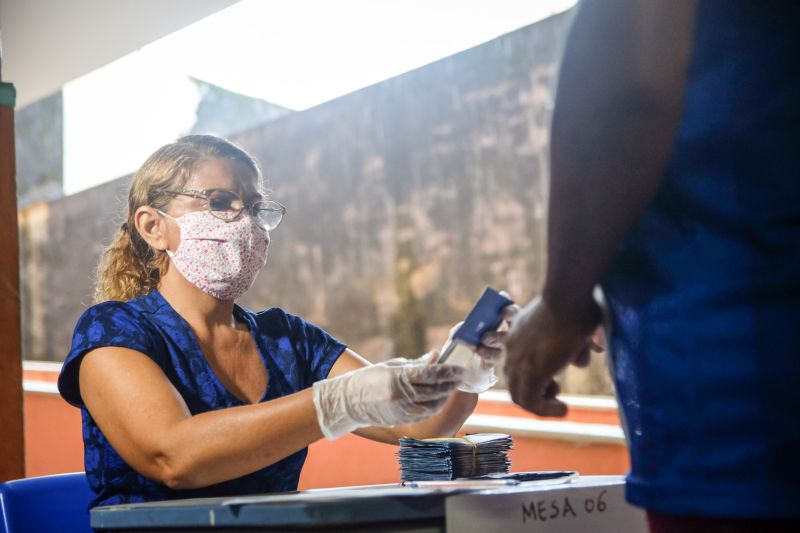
[{"x": 592, "y": 504}]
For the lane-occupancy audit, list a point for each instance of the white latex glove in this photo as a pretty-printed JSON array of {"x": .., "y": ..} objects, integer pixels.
[
  {"x": 399, "y": 391},
  {"x": 479, "y": 373}
]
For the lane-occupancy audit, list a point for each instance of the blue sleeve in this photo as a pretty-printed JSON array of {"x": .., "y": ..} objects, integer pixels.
[
  {"x": 318, "y": 347},
  {"x": 105, "y": 324}
]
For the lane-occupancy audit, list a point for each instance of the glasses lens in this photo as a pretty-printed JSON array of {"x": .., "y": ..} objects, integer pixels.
[
  {"x": 225, "y": 204},
  {"x": 269, "y": 215}
]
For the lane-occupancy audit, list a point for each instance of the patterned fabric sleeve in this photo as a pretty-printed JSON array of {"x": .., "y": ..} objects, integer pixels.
[
  {"x": 105, "y": 324},
  {"x": 318, "y": 347}
]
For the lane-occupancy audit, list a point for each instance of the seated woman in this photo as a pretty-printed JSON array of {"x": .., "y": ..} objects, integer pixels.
[{"x": 185, "y": 394}]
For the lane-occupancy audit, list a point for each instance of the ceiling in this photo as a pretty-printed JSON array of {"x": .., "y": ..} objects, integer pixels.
[{"x": 46, "y": 43}]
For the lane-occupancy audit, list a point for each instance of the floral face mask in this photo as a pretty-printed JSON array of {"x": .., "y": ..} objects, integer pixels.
[{"x": 220, "y": 258}]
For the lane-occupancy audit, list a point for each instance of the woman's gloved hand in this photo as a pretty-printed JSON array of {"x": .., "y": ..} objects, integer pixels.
[
  {"x": 479, "y": 370},
  {"x": 399, "y": 391}
]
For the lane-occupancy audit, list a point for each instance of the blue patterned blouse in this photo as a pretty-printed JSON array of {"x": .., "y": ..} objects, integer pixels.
[{"x": 295, "y": 354}]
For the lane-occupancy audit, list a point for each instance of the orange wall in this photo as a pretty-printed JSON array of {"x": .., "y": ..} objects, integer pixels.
[
  {"x": 53, "y": 445},
  {"x": 352, "y": 460},
  {"x": 53, "y": 442}
]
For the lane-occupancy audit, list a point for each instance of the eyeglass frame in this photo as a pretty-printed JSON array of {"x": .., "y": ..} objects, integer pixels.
[{"x": 204, "y": 194}]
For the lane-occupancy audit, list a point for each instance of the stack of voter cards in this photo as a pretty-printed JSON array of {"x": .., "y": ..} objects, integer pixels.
[{"x": 452, "y": 458}]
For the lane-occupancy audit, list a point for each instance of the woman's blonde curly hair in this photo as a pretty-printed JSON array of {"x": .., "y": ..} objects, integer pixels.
[{"x": 129, "y": 267}]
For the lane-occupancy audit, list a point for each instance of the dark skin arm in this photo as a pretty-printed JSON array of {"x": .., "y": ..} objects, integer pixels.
[{"x": 618, "y": 107}]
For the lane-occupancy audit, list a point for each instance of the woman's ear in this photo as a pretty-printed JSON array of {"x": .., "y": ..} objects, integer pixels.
[{"x": 152, "y": 227}]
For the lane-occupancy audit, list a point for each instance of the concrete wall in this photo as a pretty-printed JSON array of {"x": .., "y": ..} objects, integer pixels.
[
  {"x": 39, "y": 138},
  {"x": 405, "y": 199},
  {"x": 435, "y": 179},
  {"x": 60, "y": 244}
]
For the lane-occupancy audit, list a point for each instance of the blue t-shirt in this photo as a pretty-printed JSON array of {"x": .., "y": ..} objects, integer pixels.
[
  {"x": 704, "y": 292},
  {"x": 295, "y": 354}
]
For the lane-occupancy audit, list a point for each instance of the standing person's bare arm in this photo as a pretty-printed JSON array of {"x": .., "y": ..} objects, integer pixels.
[{"x": 618, "y": 107}]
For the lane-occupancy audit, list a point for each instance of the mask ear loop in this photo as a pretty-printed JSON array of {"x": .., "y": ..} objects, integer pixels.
[{"x": 169, "y": 252}]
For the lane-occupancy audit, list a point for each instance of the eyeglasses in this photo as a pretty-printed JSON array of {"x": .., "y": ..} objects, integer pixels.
[{"x": 229, "y": 206}]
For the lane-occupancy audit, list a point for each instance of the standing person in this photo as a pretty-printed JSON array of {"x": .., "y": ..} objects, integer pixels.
[
  {"x": 676, "y": 187},
  {"x": 185, "y": 394}
]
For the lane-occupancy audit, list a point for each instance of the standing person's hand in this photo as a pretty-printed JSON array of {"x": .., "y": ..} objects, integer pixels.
[{"x": 540, "y": 343}]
